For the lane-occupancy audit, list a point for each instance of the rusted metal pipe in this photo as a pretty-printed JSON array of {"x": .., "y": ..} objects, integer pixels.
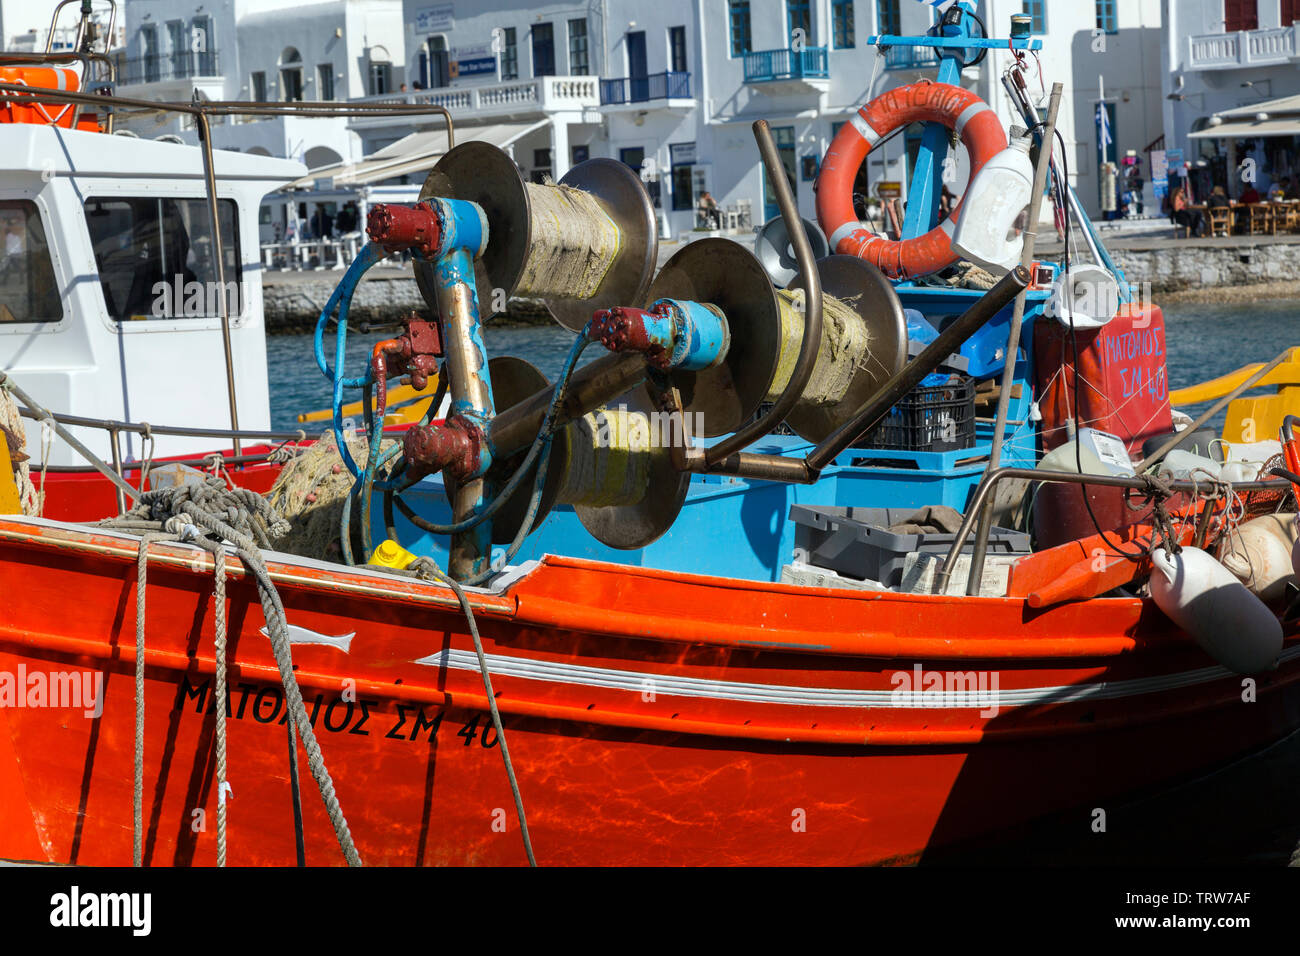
[{"x": 812, "y": 330}]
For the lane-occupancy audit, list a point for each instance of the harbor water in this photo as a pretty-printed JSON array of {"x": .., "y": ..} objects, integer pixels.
[{"x": 1204, "y": 341}]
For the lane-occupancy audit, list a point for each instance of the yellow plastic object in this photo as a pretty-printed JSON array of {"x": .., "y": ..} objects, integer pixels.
[
  {"x": 405, "y": 405},
  {"x": 1250, "y": 419},
  {"x": 390, "y": 554},
  {"x": 1288, "y": 373},
  {"x": 1257, "y": 419},
  {"x": 10, "y": 502}
]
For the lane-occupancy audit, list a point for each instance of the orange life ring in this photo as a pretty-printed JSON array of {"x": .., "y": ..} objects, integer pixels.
[{"x": 958, "y": 109}]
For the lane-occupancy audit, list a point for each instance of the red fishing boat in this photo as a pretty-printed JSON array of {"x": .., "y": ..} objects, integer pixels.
[{"x": 653, "y": 718}]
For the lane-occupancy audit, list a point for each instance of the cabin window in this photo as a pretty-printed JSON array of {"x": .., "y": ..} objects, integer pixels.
[
  {"x": 154, "y": 258},
  {"x": 28, "y": 291}
]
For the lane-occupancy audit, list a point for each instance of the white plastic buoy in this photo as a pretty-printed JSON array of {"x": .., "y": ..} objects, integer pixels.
[
  {"x": 1228, "y": 622},
  {"x": 1259, "y": 554}
]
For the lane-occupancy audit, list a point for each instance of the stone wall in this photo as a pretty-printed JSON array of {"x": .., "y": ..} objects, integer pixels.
[
  {"x": 292, "y": 301},
  {"x": 1188, "y": 264}
]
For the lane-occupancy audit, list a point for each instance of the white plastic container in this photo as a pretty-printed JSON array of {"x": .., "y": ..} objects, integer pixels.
[
  {"x": 1085, "y": 298},
  {"x": 1242, "y": 461},
  {"x": 1185, "y": 465},
  {"x": 1204, "y": 599},
  {"x": 986, "y": 231}
]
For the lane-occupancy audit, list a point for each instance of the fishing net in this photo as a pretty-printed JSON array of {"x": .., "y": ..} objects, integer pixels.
[{"x": 310, "y": 493}]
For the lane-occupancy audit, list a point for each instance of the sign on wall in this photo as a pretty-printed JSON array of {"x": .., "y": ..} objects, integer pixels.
[
  {"x": 1160, "y": 173},
  {"x": 437, "y": 19},
  {"x": 470, "y": 61}
]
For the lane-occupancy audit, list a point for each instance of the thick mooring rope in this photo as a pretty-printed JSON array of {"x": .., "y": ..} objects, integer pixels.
[
  {"x": 574, "y": 243},
  {"x": 244, "y": 519},
  {"x": 845, "y": 347},
  {"x": 137, "y": 804},
  {"x": 15, "y": 433}
]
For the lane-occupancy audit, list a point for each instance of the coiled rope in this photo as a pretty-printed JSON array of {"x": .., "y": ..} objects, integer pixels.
[{"x": 246, "y": 521}]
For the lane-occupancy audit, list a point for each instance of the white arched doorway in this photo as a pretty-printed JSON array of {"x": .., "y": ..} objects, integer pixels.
[{"x": 319, "y": 156}]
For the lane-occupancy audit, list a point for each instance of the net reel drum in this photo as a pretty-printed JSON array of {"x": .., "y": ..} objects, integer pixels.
[
  {"x": 586, "y": 243},
  {"x": 612, "y": 465}
]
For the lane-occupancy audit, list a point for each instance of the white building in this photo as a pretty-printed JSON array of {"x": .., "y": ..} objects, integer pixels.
[
  {"x": 673, "y": 87},
  {"x": 25, "y": 25},
  {"x": 1233, "y": 90},
  {"x": 263, "y": 50}
]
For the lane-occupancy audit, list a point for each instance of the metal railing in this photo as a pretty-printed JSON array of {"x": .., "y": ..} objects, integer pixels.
[
  {"x": 764, "y": 66},
  {"x": 641, "y": 89},
  {"x": 158, "y": 67},
  {"x": 911, "y": 58},
  {"x": 1272, "y": 46}
]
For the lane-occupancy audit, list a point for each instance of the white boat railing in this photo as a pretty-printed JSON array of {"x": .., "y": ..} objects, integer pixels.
[{"x": 312, "y": 255}]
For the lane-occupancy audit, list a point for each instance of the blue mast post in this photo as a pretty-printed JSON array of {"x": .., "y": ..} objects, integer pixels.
[{"x": 953, "y": 42}]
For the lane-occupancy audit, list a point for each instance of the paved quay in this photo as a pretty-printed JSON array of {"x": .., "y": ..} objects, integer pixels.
[{"x": 1148, "y": 251}]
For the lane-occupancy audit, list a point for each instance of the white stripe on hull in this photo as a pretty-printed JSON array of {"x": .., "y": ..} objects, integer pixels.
[{"x": 676, "y": 686}]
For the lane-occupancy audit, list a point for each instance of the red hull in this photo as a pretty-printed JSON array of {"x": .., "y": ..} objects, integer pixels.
[
  {"x": 86, "y": 495},
  {"x": 652, "y": 718}
]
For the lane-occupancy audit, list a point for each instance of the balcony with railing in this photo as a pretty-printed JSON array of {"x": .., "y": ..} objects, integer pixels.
[
  {"x": 167, "y": 67},
  {"x": 536, "y": 97},
  {"x": 1275, "y": 46},
  {"x": 632, "y": 90},
  {"x": 787, "y": 66},
  {"x": 911, "y": 58}
]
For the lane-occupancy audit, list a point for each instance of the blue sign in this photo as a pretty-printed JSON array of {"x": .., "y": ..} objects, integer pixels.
[{"x": 478, "y": 66}]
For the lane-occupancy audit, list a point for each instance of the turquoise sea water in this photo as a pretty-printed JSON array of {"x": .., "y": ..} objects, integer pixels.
[{"x": 1204, "y": 341}]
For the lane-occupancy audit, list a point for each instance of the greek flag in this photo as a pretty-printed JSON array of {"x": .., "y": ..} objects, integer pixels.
[
  {"x": 940, "y": 5},
  {"x": 1103, "y": 126}
]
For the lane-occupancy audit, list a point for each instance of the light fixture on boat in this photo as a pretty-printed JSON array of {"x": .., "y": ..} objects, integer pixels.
[
  {"x": 589, "y": 242},
  {"x": 989, "y": 232},
  {"x": 1086, "y": 297}
]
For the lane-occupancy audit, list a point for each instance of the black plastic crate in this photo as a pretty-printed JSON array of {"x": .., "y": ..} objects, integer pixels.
[
  {"x": 856, "y": 542},
  {"x": 929, "y": 418}
]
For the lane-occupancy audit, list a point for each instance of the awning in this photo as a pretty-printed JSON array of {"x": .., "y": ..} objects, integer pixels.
[
  {"x": 415, "y": 153},
  {"x": 1242, "y": 129},
  {"x": 1284, "y": 104}
]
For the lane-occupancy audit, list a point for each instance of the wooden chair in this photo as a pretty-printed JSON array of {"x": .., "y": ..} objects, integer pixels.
[
  {"x": 1286, "y": 216},
  {"x": 1261, "y": 218},
  {"x": 1218, "y": 220}
]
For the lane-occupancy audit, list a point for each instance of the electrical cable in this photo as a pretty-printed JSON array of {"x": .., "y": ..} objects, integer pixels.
[{"x": 1074, "y": 347}]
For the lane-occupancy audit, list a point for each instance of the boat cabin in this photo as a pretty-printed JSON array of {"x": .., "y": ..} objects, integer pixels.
[{"x": 110, "y": 307}]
